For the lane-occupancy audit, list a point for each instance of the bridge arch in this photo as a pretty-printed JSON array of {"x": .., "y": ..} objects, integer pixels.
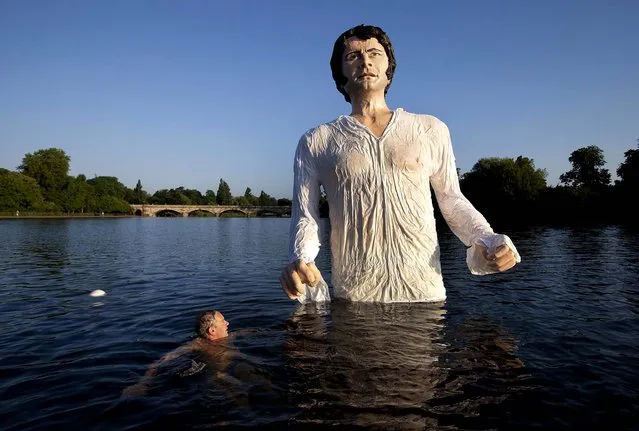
[
  {"x": 210, "y": 213},
  {"x": 232, "y": 211},
  {"x": 167, "y": 212},
  {"x": 267, "y": 213}
]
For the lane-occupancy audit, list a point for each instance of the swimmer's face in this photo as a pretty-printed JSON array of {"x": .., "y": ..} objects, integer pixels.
[
  {"x": 364, "y": 64},
  {"x": 221, "y": 326}
]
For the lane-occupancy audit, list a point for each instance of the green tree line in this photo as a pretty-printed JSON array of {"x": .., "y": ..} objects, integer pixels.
[
  {"x": 508, "y": 190},
  {"x": 42, "y": 184}
]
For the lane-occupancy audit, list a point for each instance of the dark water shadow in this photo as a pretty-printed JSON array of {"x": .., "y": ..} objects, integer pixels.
[{"x": 397, "y": 366}]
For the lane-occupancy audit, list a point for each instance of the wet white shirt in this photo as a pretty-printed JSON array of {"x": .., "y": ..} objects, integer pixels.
[{"x": 383, "y": 240}]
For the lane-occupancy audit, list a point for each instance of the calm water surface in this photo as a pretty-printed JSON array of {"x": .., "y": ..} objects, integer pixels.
[{"x": 549, "y": 345}]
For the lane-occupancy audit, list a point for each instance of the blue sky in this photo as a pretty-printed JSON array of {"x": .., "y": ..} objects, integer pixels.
[{"x": 183, "y": 93}]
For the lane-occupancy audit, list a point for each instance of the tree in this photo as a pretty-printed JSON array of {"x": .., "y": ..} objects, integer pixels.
[
  {"x": 241, "y": 201},
  {"x": 587, "y": 170},
  {"x": 530, "y": 181},
  {"x": 284, "y": 202},
  {"x": 107, "y": 186},
  {"x": 77, "y": 195},
  {"x": 224, "y": 196},
  {"x": 137, "y": 195},
  {"x": 50, "y": 169},
  {"x": 628, "y": 170},
  {"x": 159, "y": 197},
  {"x": 19, "y": 192},
  {"x": 171, "y": 197},
  {"x": 502, "y": 187},
  {"x": 210, "y": 198},
  {"x": 112, "y": 204},
  {"x": 265, "y": 200},
  {"x": 194, "y": 196},
  {"x": 627, "y": 187},
  {"x": 504, "y": 180},
  {"x": 249, "y": 198}
]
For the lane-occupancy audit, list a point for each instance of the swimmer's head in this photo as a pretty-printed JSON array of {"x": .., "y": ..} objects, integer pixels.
[
  {"x": 362, "y": 32},
  {"x": 211, "y": 325}
]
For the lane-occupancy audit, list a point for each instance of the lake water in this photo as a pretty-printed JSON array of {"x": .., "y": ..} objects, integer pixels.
[{"x": 551, "y": 344}]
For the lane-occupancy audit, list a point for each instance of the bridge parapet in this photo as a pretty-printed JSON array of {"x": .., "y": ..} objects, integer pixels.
[{"x": 148, "y": 210}]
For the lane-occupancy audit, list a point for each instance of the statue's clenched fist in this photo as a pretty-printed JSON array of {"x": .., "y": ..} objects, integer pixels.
[{"x": 296, "y": 275}]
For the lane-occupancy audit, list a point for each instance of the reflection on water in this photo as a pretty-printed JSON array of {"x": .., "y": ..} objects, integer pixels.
[
  {"x": 364, "y": 364},
  {"x": 392, "y": 365}
]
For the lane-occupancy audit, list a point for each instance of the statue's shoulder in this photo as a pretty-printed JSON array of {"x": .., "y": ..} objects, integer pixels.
[
  {"x": 319, "y": 135},
  {"x": 428, "y": 120}
]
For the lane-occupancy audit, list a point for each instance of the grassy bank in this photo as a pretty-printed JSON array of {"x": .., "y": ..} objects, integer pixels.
[{"x": 29, "y": 215}]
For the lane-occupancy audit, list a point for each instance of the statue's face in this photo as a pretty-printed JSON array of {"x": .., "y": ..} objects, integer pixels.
[{"x": 364, "y": 64}]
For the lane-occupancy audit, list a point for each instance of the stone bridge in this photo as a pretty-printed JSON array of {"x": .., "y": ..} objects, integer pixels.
[{"x": 217, "y": 210}]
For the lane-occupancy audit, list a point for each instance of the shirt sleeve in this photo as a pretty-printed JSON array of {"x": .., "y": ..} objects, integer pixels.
[
  {"x": 468, "y": 224},
  {"x": 304, "y": 236}
]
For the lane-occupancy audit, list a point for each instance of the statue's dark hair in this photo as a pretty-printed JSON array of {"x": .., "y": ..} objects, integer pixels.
[{"x": 362, "y": 32}]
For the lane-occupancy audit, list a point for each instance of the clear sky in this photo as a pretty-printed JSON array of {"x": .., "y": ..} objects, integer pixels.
[{"x": 183, "y": 93}]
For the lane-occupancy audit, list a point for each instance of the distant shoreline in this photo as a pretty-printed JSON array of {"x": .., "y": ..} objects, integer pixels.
[
  {"x": 6, "y": 217},
  {"x": 44, "y": 217}
]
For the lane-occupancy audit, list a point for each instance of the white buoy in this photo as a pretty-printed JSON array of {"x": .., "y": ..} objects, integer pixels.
[{"x": 98, "y": 292}]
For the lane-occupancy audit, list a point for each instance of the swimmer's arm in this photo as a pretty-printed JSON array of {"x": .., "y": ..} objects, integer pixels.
[
  {"x": 226, "y": 377},
  {"x": 141, "y": 388},
  {"x": 153, "y": 368},
  {"x": 240, "y": 332}
]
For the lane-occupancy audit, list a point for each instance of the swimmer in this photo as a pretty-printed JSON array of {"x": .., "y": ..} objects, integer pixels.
[{"x": 212, "y": 329}]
